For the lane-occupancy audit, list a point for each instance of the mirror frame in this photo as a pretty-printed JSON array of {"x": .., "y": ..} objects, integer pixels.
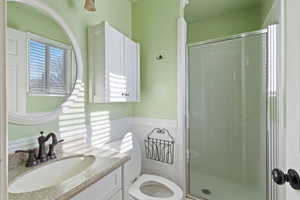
[{"x": 41, "y": 118}]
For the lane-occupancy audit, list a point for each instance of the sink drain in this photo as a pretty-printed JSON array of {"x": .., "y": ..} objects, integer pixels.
[{"x": 206, "y": 191}]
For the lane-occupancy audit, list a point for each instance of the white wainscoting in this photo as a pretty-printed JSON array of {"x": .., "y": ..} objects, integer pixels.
[
  {"x": 142, "y": 127},
  {"x": 117, "y": 128}
]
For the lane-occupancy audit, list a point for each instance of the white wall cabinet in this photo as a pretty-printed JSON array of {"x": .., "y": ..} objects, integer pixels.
[
  {"x": 114, "y": 66},
  {"x": 107, "y": 188}
]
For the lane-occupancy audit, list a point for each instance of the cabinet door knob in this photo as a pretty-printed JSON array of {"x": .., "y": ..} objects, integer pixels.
[{"x": 281, "y": 178}]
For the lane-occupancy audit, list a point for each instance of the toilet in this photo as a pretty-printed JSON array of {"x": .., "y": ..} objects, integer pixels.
[
  {"x": 144, "y": 186},
  {"x": 151, "y": 187}
]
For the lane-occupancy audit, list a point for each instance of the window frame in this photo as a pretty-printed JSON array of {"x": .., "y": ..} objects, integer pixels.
[{"x": 54, "y": 43}]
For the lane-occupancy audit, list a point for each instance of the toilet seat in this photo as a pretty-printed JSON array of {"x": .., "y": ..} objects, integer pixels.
[{"x": 136, "y": 192}]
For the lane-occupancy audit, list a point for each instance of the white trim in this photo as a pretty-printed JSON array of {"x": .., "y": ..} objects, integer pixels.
[
  {"x": 166, "y": 123},
  {"x": 181, "y": 100},
  {"x": 273, "y": 17},
  {"x": 272, "y": 125},
  {"x": 47, "y": 95},
  {"x": 32, "y": 36},
  {"x": 34, "y": 119},
  {"x": 3, "y": 114},
  {"x": 138, "y": 94},
  {"x": 24, "y": 143},
  {"x": 282, "y": 98},
  {"x": 31, "y": 142},
  {"x": 118, "y": 128},
  {"x": 292, "y": 63}
]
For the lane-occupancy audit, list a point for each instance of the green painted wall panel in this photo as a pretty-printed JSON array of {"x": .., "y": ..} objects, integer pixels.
[
  {"x": 34, "y": 21},
  {"x": 155, "y": 27},
  {"x": 222, "y": 26},
  {"x": 118, "y": 14},
  {"x": 266, "y": 7}
]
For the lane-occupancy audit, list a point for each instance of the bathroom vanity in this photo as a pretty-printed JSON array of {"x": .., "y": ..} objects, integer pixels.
[
  {"x": 95, "y": 174},
  {"x": 107, "y": 188}
]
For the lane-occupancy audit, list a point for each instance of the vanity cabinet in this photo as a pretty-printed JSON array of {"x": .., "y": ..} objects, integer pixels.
[
  {"x": 114, "y": 66},
  {"x": 107, "y": 188}
]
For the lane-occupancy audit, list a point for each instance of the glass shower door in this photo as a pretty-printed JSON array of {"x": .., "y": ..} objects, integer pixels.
[{"x": 227, "y": 119}]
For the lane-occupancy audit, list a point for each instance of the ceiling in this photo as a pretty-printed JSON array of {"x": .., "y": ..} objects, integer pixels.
[{"x": 198, "y": 10}]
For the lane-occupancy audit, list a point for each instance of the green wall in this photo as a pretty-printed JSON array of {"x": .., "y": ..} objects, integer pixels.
[
  {"x": 118, "y": 14},
  {"x": 266, "y": 7},
  {"x": 226, "y": 25},
  {"x": 155, "y": 27},
  {"x": 23, "y": 17}
]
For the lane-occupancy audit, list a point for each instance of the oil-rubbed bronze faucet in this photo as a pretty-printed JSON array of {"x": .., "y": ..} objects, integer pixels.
[
  {"x": 43, "y": 156},
  {"x": 51, "y": 153},
  {"x": 32, "y": 159}
]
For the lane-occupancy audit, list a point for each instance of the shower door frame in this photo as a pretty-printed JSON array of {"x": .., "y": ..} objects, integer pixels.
[
  {"x": 3, "y": 114},
  {"x": 273, "y": 75}
]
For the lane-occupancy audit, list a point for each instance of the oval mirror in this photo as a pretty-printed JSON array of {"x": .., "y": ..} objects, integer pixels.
[{"x": 43, "y": 62}]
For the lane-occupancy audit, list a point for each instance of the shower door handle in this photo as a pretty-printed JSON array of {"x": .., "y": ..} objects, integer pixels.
[{"x": 281, "y": 178}]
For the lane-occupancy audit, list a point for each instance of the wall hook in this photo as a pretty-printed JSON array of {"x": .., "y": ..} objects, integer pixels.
[{"x": 159, "y": 57}]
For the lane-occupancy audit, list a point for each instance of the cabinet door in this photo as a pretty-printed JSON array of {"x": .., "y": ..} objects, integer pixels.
[
  {"x": 106, "y": 188},
  {"x": 115, "y": 74},
  {"x": 97, "y": 60},
  {"x": 131, "y": 61}
]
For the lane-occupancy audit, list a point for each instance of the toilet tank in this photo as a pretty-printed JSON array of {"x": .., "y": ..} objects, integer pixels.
[
  {"x": 129, "y": 145},
  {"x": 132, "y": 169}
]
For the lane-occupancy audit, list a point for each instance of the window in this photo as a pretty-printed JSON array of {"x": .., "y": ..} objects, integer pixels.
[{"x": 47, "y": 64}]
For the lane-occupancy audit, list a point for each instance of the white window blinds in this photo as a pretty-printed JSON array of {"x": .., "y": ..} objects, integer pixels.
[{"x": 46, "y": 64}]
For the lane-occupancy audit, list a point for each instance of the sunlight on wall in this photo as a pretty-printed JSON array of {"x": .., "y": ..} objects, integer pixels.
[
  {"x": 83, "y": 138},
  {"x": 119, "y": 147},
  {"x": 117, "y": 87},
  {"x": 72, "y": 121},
  {"x": 100, "y": 128},
  {"x": 127, "y": 143}
]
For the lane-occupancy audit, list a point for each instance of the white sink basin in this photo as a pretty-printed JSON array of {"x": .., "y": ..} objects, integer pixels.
[{"x": 51, "y": 174}]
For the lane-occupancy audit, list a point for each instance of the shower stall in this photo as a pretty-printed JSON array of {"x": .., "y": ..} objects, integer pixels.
[{"x": 232, "y": 105}]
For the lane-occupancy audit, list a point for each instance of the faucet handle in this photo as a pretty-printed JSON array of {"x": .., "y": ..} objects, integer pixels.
[
  {"x": 32, "y": 159},
  {"x": 60, "y": 141},
  {"x": 29, "y": 151},
  {"x": 51, "y": 152}
]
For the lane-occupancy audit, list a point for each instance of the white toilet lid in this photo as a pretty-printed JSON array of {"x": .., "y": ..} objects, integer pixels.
[{"x": 136, "y": 192}]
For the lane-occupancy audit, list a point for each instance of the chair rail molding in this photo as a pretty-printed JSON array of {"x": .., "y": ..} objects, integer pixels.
[{"x": 3, "y": 114}]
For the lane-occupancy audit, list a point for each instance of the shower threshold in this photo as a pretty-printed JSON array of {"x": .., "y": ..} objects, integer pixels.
[{"x": 190, "y": 197}]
